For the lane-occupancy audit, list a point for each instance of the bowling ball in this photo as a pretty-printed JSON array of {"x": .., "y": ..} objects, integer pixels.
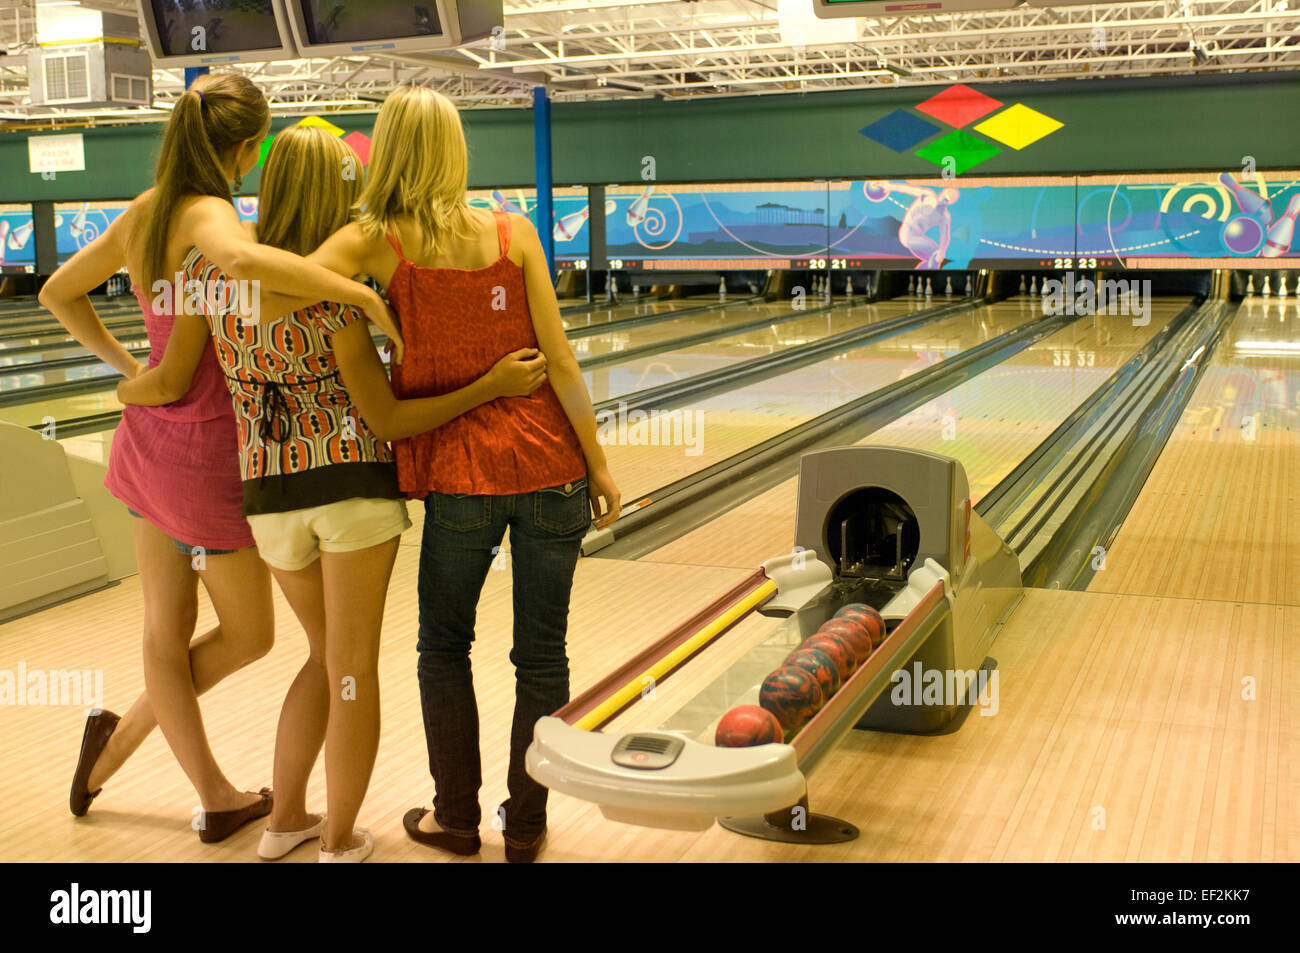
[
  {"x": 821, "y": 666},
  {"x": 853, "y": 632},
  {"x": 838, "y": 648},
  {"x": 875, "y": 191},
  {"x": 792, "y": 695},
  {"x": 748, "y": 725},
  {"x": 1242, "y": 235},
  {"x": 868, "y": 616}
]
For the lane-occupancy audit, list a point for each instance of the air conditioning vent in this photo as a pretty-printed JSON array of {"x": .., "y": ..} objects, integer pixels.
[
  {"x": 67, "y": 78},
  {"x": 129, "y": 89}
]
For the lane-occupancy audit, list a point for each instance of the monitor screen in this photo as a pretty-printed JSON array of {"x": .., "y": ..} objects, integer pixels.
[
  {"x": 200, "y": 27},
  {"x": 77, "y": 224},
  {"x": 334, "y": 21},
  {"x": 17, "y": 246}
]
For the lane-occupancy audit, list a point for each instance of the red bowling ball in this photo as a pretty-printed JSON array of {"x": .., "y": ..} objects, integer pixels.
[
  {"x": 748, "y": 725},
  {"x": 838, "y": 648}
]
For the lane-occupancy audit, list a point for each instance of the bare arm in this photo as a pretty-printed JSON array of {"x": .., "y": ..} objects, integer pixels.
[
  {"x": 171, "y": 379},
  {"x": 566, "y": 377},
  {"x": 391, "y": 419},
  {"x": 66, "y": 294}
]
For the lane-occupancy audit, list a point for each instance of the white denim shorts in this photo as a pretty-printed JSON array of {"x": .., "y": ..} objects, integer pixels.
[{"x": 294, "y": 540}]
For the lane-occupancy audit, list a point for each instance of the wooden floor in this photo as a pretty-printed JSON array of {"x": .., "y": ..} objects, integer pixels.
[{"x": 1150, "y": 719}]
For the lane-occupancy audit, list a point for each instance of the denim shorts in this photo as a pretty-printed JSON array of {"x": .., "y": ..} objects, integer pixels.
[{"x": 185, "y": 549}]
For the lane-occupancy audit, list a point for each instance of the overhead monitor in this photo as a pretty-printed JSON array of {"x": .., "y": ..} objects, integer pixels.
[
  {"x": 215, "y": 32},
  {"x": 834, "y": 9},
  {"x": 336, "y": 28}
]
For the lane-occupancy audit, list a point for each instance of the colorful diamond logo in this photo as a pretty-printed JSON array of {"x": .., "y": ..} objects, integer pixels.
[
  {"x": 964, "y": 150},
  {"x": 328, "y": 126},
  {"x": 360, "y": 144},
  {"x": 958, "y": 105},
  {"x": 1018, "y": 126},
  {"x": 900, "y": 130}
]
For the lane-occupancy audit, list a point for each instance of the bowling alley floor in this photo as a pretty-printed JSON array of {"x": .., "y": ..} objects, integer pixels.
[{"x": 1152, "y": 718}]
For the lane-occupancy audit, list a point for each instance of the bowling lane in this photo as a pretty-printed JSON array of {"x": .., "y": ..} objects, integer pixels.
[
  {"x": 989, "y": 423},
  {"x": 708, "y": 431},
  {"x": 1216, "y": 518},
  {"x": 624, "y": 379}
]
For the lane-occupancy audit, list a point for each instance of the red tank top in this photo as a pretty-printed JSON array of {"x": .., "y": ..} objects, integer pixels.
[{"x": 457, "y": 324}]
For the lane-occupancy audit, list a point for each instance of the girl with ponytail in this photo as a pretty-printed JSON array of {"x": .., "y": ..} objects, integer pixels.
[{"x": 176, "y": 467}]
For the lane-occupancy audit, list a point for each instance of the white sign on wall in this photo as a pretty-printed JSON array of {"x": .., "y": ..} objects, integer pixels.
[{"x": 57, "y": 153}]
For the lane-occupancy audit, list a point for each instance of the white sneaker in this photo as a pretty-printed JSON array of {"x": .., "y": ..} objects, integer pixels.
[
  {"x": 277, "y": 844},
  {"x": 351, "y": 855}
]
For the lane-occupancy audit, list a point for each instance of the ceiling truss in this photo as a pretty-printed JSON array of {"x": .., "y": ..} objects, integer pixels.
[{"x": 669, "y": 49}]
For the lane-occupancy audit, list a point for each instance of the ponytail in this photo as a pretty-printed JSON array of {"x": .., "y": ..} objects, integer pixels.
[{"x": 216, "y": 113}]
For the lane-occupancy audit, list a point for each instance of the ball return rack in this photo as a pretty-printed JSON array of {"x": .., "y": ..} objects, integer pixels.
[{"x": 887, "y": 526}]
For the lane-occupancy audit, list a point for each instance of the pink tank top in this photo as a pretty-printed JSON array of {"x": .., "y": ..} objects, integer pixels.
[{"x": 178, "y": 465}]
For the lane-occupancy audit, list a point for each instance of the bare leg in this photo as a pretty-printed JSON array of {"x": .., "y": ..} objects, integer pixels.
[
  {"x": 303, "y": 718},
  {"x": 356, "y": 585},
  {"x": 213, "y": 656},
  {"x": 240, "y": 590}
]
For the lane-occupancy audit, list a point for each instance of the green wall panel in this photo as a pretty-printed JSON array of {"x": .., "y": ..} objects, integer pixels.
[{"x": 1162, "y": 124}]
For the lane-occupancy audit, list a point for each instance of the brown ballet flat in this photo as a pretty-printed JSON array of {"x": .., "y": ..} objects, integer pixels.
[
  {"x": 463, "y": 844},
  {"x": 216, "y": 826},
  {"x": 99, "y": 728},
  {"x": 527, "y": 854}
]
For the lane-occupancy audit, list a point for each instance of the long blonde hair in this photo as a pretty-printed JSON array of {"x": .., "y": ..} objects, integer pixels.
[
  {"x": 419, "y": 166},
  {"x": 217, "y": 113},
  {"x": 309, "y": 185}
]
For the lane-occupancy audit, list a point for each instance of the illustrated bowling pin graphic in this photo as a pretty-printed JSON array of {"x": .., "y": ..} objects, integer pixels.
[
  {"x": 18, "y": 237},
  {"x": 1250, "y": 286},
  {"x": 4, "y": 238},
  {"x": 79, "y": 221},
  {"x": 1248, "y": 201},
  {"x": 1281, "y": 232},
  {"x": 570, "y": 225},
  {"x": 504, "y": 204},
  {"x": 637, "y": 211}
]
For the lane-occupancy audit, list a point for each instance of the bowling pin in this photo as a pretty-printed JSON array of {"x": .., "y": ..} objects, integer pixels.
[
  {"x": 929, "y": 287},
  {"x": 1266, "y": 291},
  {"x": 848, "y": 286},
  {"x": 504, "y": 204},
  {"x": 636, "y": 291},
  {"x": 948, "y": 287},
  {"x": 1248, "y": 201},
  {"x": 1282, "y": 231},
  {"x": 637, "y": 211},
  {"x": 911, "y": 284},
  {"x": 18, "y": 237},
  {"x": 1281, "y": 287},
  {"x": 722, "y": 288},
  {"x": 570, "y": 225},
  {"x": 1033, "y": 285},
  {"x": 1022, "y": 284},
  {"x": 1250, "y": 285}
]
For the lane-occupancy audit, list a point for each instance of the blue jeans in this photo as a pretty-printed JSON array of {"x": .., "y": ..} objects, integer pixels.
[{"x": 462, "y": 538}]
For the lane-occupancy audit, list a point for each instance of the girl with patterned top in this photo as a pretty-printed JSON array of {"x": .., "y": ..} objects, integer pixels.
[
  {"x": 314, "y": 407},
  {"x": 175, "y": 467},
  {"x": 466, "y": 284}
]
